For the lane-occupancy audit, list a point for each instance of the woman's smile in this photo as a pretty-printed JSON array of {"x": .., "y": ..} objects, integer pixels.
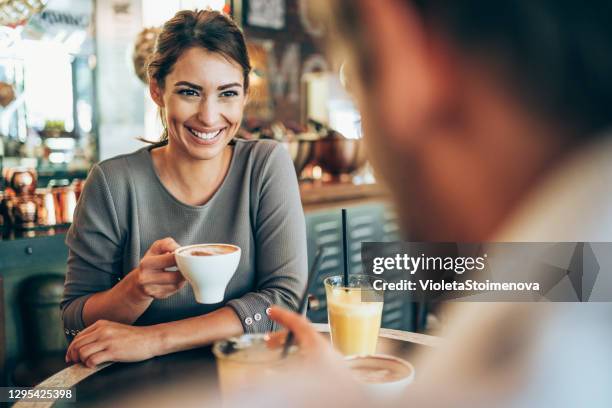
[{"x": 207, "y": 137}]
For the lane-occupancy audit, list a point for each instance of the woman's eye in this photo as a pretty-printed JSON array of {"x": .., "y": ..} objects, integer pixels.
[
  {"x": 229, "y": 94},
  {"x": 188, "y": 92}
]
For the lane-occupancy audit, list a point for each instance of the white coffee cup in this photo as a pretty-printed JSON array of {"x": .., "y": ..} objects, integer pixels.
[
  {"x": 208, "y": 268},
  {"x": 382, "y": 377}
]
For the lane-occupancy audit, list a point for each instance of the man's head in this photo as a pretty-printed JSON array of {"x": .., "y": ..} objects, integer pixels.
[{"x": 466, "y": 104}]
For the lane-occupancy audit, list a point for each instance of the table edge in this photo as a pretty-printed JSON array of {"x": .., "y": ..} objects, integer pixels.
[
  {"x": 70, "y": 376},
  {"x": 67, "y": 378},
  {"x": 411, "y": 337}
]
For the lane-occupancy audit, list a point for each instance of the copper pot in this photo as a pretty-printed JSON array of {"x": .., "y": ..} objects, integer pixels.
[
  {"x": 301, "y": 151},
  {"x": 338, "y": 155},
  {"x": 65, "y": 203},
  {"x": 78, "y": 185},
  {"x": 46, "y": 211},
  {"x": 22, "y": 180},
  {"x": 24, "y": 212}
]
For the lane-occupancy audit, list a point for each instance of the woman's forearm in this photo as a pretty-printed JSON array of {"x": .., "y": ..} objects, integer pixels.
[
  {"x": 122, "y": 303},
  {"x": 197, "y": 331}
]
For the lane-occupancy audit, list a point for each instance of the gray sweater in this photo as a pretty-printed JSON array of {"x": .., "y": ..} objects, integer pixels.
[{"x": 124, "y": 208}]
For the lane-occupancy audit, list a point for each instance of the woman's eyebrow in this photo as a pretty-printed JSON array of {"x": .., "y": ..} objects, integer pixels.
[
  {"x": 189, "y": 84},
  {"x": 230, "y": 85}
]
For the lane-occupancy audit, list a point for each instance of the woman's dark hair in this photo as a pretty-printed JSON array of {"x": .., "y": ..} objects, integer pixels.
[
  {"x": 557, "y": 54},
  {"x": 208, "y": 29}
]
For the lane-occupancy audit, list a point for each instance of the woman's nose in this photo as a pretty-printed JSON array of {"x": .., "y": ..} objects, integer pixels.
[{"x": 208, "y": 112}]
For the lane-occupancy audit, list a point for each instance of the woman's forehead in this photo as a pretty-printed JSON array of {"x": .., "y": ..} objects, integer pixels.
[{"x": 205, "y": 68}]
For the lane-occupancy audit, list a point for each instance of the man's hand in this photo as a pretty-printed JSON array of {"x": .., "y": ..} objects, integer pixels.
[{"x": 311, "y": 343}]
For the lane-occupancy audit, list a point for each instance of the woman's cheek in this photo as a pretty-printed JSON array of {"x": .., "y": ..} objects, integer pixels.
[
  {"x": 185, "y": 109},
  {"x": 234, "y": 113}
]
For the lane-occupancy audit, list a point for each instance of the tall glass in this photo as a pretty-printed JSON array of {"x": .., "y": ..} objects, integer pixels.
[
  {"x": 354, "y": 312},
  {"x": 243, "y": 360}
]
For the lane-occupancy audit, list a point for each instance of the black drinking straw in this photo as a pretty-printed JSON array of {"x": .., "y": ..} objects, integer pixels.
[
  {"x": 312, "y": 275},
  {"x": 345, "y": 248}
]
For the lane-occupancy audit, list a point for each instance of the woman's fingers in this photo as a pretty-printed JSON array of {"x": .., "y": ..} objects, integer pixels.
[
  {"x": 153, "y": 288},
  {"x": 87, "y": 351},
  {"x": 115, "y": 342},
  {"x": 152, "y": 277},
  {"x": 158, "y": 261},
  {"x": 98, "y": 358},
  {"x": 162, "y": 278},
  {"x": 170, "y": 278},
  {"x": 163, "y": 246},
  {"x": 153, "y": 272},
  {"x": 164, "y": 291},
  {"x": 82, "y": 339}
]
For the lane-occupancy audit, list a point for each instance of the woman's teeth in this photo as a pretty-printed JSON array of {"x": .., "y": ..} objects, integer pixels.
[{"x": 205, "y": 135}]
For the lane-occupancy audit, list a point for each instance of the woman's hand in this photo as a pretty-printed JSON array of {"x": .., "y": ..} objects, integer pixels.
[
  {"x": 111, "y": 341},
  {"x": 150, "y": 280}
]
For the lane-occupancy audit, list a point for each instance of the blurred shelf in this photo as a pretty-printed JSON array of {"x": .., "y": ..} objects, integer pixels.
[
  {"x": 326, "y": 195},
  {"x": 39, "y": 232}
]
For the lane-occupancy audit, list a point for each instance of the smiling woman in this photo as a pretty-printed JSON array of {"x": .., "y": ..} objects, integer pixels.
[
  {"x": 122, "y": 298},
  {"x": 205, "y": 110}
]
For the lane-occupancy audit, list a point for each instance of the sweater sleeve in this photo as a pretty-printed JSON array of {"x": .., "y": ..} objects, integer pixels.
[
  {"x": 280, "y": 242},
  {"x": 94, "y": 250}
]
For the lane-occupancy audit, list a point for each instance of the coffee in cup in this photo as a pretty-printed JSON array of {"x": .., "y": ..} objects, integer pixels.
[
  {"x": 211, "y": 250},
  {"x": 208, "y": 268},
  {"x": 381, "y": 376}
]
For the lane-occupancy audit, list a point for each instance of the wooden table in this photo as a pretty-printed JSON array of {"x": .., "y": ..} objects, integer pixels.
[{"x": 113, "y": 383}]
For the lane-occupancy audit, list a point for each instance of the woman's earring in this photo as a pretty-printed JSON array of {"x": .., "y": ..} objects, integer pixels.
[{"x": 342, "y": 75}]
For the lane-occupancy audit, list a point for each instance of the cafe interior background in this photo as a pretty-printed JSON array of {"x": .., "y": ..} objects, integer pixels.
[{"x": 73, "y": 92}]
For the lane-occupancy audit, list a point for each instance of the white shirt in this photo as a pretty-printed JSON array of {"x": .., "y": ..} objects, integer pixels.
[
  {"x": 537, "y": 354},
  {"x": 513, "y": 355}
]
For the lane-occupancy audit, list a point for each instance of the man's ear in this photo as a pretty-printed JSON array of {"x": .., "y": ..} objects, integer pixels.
[{"x": 156, "y": 93}]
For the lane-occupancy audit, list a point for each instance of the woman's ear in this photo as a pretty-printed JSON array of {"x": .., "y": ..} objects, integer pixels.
[{"x": 156, "y": 93}]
